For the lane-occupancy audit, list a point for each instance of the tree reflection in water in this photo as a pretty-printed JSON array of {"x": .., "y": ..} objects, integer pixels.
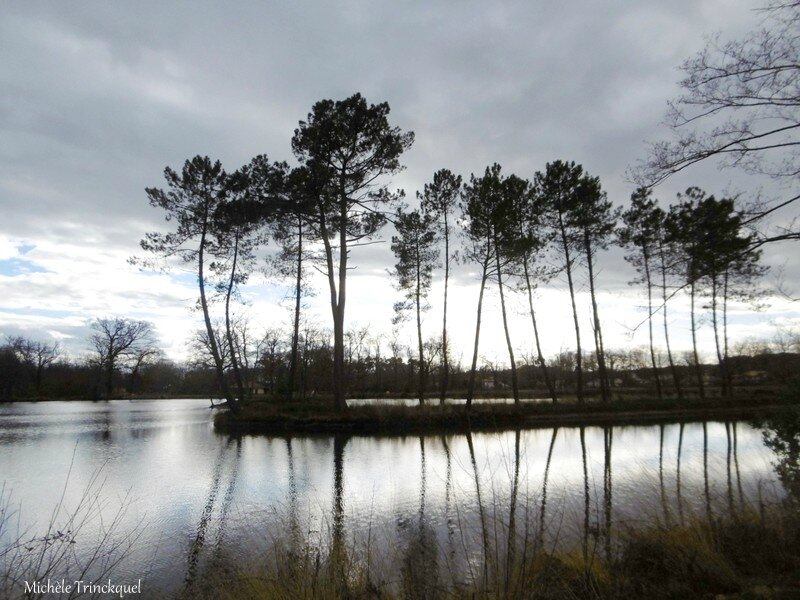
[
  {"x": 493, "y": 538},
  {"x": 199, "y": 542},
  {"x": 678, "y": 474},
  {"x": 420, "y": 567},
  {"x": 338, "y": 556},
  {"x": 543, "y": 508},
  {"x": 511, "y": 549}
]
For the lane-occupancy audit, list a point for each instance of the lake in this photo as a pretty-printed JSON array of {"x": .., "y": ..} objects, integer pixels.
[{"x": 190, "y": 495}]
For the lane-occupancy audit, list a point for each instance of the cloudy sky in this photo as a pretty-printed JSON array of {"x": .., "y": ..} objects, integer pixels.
[{"x": 99, "y": 97}]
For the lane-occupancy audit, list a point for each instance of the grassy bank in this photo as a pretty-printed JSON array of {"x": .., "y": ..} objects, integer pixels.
[
  {"x": 277, "y": 418},
  {"x": 743, "y": 555}
]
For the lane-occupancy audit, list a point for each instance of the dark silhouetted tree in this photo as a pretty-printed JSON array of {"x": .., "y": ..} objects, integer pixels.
[
  {"x": 439, "y": 198},
  {"x": 728, "y": 252},
  {"x": 349, "y": 147},
  {"x": 291, "y": 198},
  {"x": 643, "y": 223},
  {"x": 417, "y": 251},
  {"x": 596, "y": 219},
  {"x": 686, "y": 233},
  {"x": 511, "y": 244},
  {"x": 190, "y": 203},
  {"x": 710, "y": 240},
  {"x": 238, "y": 230},
  {"x": 532, "y": 227},
  {"x": 558, "y": 190},
  {"x": 37, "y": 356},
  {"x": 492, "y": 205},
  {"x": 478, "y": 249},
  {"x": 667, "y": 266},
  {"x": 117, "y": 340}
]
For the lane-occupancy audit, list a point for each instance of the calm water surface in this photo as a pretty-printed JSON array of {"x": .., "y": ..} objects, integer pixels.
[{"x": 189, "y": 492}]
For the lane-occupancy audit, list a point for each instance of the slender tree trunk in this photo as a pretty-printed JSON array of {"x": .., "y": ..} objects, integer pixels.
[
  {"x": 578, "y": 354},
  {"x": 539, "y": 356},
  {"x": 726, "y": 364},
  {"x": 697, "y": 367},
  {"x": 338, "y": 330},
  {"x": 514, "y": 382},
  {"x": 445, "y": 346},
  {"x": 338, "y": 323},
  {"x": 237, "y": 374},
  {"x": 420, "y": 346},
  {"x": 473, "y": 370},
  {"x": 706, "y": 486},
  {"x": 673, "y": 369},
  {"x": 304, "y": 366},
  {"x": 378, "y": 366},
  {"x": 736, "y": 466},
  {"x": 297, "y": 301},
  {"x": 731, "y": 507},
  {"x": 598, "y": 333},
  {"x": 212, "y": 339},
  {"x": 715, "y": 324},
  {"x": 657, "y": 379}
]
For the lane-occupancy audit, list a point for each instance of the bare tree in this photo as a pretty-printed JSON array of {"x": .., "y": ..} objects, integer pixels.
[
  {"x": 119, "y": 341},
  {"x": 740, "y": 106},
  {"x": 37, "y": 356},
  {"x": 740, "y": 103}
]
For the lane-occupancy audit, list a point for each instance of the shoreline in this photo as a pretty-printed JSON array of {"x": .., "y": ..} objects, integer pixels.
[{"x": 413, "y": 420}]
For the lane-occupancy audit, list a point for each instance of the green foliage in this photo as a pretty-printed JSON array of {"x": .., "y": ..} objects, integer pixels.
[
  {"x": 348, "y": 145},
  {"x": 557, "y": 188},
  {"x": 491, "y": 210},
  {"x": 708, "y": 234},
  {"x": 643, "y": 226},
  {"x": 190, "y": 201},
  {"x": 439, "y": 198},
  {"x": 417, "y": 251}
]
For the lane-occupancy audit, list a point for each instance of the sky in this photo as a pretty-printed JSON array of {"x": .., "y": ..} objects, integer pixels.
[{"x": 99, "y": 97}]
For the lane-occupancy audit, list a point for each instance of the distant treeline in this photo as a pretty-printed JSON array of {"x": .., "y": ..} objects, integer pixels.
[{"x": 373, "y": 369}]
